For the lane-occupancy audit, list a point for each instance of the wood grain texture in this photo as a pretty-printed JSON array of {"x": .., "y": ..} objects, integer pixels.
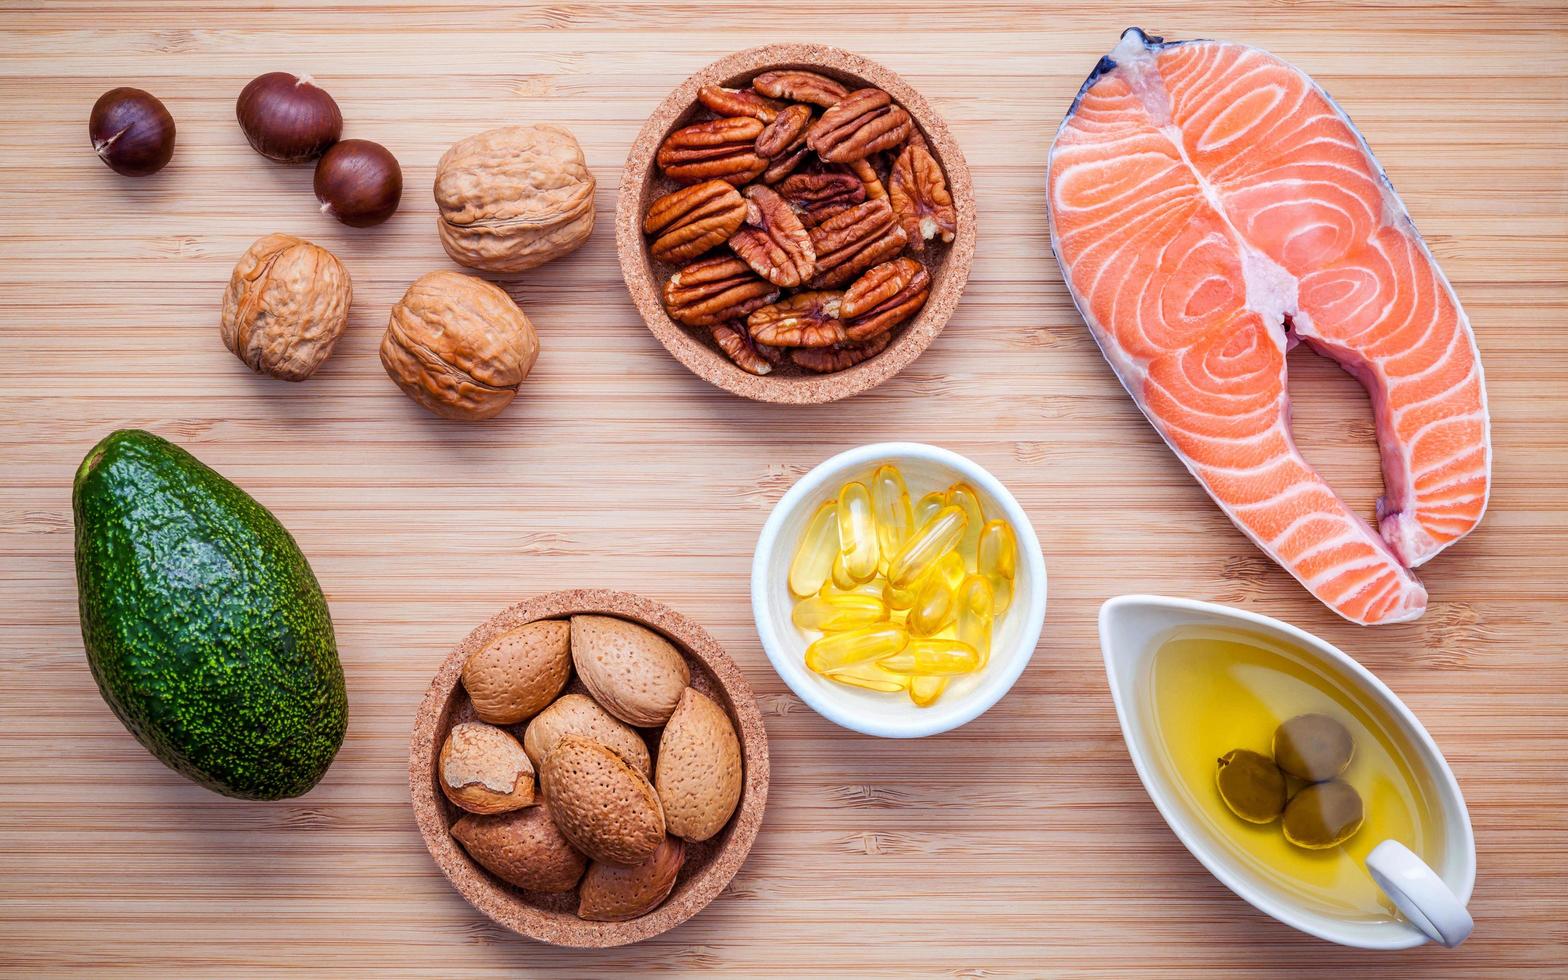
[{"x": 1019, "y": 846}]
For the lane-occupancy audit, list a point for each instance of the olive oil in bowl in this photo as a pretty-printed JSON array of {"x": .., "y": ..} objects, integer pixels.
[{"x": 1211, "y": 690}]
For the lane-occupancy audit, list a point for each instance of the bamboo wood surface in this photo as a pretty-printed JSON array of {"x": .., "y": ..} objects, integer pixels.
[{"x": 1019, "y": 846}]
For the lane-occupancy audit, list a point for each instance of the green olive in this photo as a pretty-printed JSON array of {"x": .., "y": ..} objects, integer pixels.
[
  {"x": 1313, "y": 747},
  {"x": 1323, "y": 815},
  {"x": 1251, "y": 785}
]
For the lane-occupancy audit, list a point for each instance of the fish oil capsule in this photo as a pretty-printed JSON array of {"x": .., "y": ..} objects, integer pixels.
[
  {"x": 951, "y": 569},
  {"x": 927, "y": 506},
  {"x": 924, "y": 690},
  {"x": 845, "y": 611},
  {"x": 857, "y": 532},
  {"x": 813, "y": 561},
  {"x": 839, "y": 576},
  {"x": 928, "y": 655},
  {"x": 927, "y": 546},
  {"x": 901, "y": 600},
  {"x": 934, "y": 607},
  {"x": 895, "y": 519},
  {"x": 873, "y": 677},
  {"x": 998, "y": 561},
  {"x": 835, "y": 651},
  {"x": 964, "y": 497},
  {"x": 831, "y": 591},
  {"x": 976, "y": 608}
]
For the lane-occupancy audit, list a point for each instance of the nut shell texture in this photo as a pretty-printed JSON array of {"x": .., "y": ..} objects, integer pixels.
[
  {"x": 285, "y": 307},
  {"x": 485, "y": 770},
  {"x": 513, "y": 198},
  {"x": 699, "y": 773},
  {"x": 616, "y": 892},
  {"x": 523, "y": 848},
  {"x": 575, "y": 714},
  {"x": 458, "y": 346},
  {"x": 520, "y": 672},
  {"x": 633, "y": 672},
  {"x": 607, "y": 809}
]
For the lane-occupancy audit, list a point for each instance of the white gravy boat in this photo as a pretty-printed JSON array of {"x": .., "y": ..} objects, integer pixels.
[{"x": 1433, "y": 901}]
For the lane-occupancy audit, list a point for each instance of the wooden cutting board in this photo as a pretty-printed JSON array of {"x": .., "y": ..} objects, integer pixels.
[{"x": 1021, "y": 845}]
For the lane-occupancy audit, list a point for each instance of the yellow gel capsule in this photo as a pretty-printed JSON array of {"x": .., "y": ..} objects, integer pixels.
[
  {"x": 998, "y": 560},
  {"x": 976, "y": 614},
  {"x": 835, "y": 651},
  {"x": 933, "y": 609},
  {"x": 813, "y": 561},
  {"x": 857, "y": 532},
  {"x": 897, "y": 599},
  {"x": 846, "y": 611},
  {"x": 839, "y": 578},
  {"x": 924, "y": 691},
  {"x": 890, "y": 506},
  {"x": 831, "y": 591},
  {"x": 964, "y": 497},
  {"x": 926, "y": 547},
  {"x": 927, "y": 506},
  {"x": 951, "y": 569},
  {"x": 872, "y": 677},
  {"x": 942, "y": 658}
]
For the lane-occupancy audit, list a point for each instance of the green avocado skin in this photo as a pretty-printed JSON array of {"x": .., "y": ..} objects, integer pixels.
[{"x": 204, "y": 626}]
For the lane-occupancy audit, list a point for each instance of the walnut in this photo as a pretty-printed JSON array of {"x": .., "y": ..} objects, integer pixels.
[
  {"x": 513, "y": 198},
  {"x": 864, "y": 122},
  {"x": 286, "y": 305},
  {"x": 458, "y": 346}
]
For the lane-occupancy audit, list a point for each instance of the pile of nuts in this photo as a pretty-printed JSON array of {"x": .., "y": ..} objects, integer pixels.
[
  {"x": 804, "y": 213},
  {"x": 607, "y": 818}
]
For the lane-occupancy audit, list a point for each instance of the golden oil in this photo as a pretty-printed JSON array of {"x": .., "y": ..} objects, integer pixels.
[{"x": 1212, "y": 690}]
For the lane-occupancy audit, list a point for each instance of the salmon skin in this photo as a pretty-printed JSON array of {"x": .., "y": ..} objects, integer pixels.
[{"x": 1211, "y": 207}]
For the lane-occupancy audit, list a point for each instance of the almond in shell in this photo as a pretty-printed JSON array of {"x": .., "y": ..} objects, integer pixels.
[
  {"x": 616, "y": 892},
  {"x": 699, "y": 773},
  {"x": 607, "y": 809},
  {"x": 633, "y": 672},
  {"x": 484, "y": 770},
  {"x": 519, "y": 673},
  {"x": 575, "y": 714},
  {"x": 523, "y": 848}
]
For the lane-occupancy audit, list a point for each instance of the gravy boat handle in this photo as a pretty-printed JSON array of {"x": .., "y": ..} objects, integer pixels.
[{"x": 1423, "y": 897}]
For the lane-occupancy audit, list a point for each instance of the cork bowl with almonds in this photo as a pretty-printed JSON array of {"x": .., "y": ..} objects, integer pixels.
[
  {"x": 589, "y": 768},
  {"x": 795, "y": 223}
]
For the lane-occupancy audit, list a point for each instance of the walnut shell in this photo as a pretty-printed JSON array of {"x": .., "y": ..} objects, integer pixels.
[
  {"x": 286, "y": 305},
  {"x": 512, "y": 198},
  {"x": 458, "y": 346}
]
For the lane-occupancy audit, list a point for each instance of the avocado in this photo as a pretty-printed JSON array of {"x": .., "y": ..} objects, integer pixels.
[{"x": 204, "y": 626}]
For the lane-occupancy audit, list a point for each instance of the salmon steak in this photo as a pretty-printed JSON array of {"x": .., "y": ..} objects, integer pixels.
[{"x": 1211, "y": 207}]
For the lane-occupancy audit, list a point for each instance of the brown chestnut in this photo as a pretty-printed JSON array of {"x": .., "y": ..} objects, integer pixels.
[
  {"x": 359, "y": 183},
  {"x": 131, "y": 131},
  {"x": 288, "y": 118}
]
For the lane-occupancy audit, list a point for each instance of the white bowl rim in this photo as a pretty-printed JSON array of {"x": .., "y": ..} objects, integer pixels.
[
  {"x": 1399, "y": 935},
  {"x": 918, "y": 723}
]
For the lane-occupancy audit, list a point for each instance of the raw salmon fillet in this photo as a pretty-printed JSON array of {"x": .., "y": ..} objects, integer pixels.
[{"x": 1211, "y": 207}]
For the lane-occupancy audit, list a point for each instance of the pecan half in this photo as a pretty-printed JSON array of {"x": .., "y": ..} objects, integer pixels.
[
  {"x": 885, "y": 296},
  {"x": 825, "y": 360},
  {"x": 712, "y": 291},
  {"x": 692, "y": 220},
  {"x": 920, "y": 196},
  {"x": 818, "y": 196},
  {"x": 864, "y": 122},
  {"x": 799, "y": 86},
  {"x": 854, "y": 240},
  {"x": 869, "y": 179},
  {"x": 774, "y": 242},
  {"x": 738, "y": 102},
  {"x": 724, "y": 149},
  {"x": 740, "y": 348},
  {"x": 786, "y": 164},
  {"x": 808, "y": 319},
  {"x": 785, "y": 132}
]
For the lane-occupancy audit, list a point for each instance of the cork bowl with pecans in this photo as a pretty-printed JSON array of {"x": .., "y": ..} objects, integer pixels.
[
  {"x": 589, "y": 768},
  {"x": 795, "y": 223}
]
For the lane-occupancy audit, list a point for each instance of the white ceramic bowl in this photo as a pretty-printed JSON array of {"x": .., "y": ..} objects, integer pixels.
[
  {"x": 1132, "y": 627},
  {"x": 925, "y": 468}
]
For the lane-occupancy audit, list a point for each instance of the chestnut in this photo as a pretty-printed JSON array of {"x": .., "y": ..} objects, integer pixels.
[
  {"x": 131, "y": 131},
  {"x": 359, "y": 183},
  {"x": 288, "y": 118}
]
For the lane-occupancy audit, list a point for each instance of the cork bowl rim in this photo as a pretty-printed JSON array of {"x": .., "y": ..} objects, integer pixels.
[
  {"x": 949, "y": 276},
  {"x": 507, "y": 906}
]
